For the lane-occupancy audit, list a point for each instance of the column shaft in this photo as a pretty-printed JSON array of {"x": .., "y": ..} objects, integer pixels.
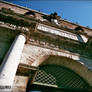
[{"x": 10, "y": 64}]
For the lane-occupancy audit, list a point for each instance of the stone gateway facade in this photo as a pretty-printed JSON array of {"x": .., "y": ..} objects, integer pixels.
[{"x": 43, "y": 53}]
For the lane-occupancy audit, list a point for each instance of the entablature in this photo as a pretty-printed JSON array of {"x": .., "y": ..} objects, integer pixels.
[
  {"x": 48, "y": 38},
  {"x": 62, "y": 33}
]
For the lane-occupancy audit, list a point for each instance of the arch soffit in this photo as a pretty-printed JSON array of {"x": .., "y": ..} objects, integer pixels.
[{"x": 74, "y": 65}]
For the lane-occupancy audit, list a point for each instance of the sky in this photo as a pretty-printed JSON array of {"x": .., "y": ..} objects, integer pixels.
[{"x": 76, "y": 11}]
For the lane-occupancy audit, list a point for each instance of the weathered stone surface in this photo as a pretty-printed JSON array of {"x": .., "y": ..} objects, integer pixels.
[
  {"x": 35, "y": 56},
  {"x": 41, "y": 54},
  {"x": 20, "y": 84},
  {"x": 13, "y": 7},
  {"x": 10, "y": 63}
]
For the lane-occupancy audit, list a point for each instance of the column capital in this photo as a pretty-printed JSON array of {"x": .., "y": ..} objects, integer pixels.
[
  {"x": 28, "y": 31},
  {"x": 26, "y": 34},
  {"x": 22, "y": 34}
]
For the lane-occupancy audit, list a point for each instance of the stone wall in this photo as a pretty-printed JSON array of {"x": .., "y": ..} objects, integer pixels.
[
  {"x": 36, "y": 55},
  {"x": 13, "y": 7},
  {"x": 71, "y": 25},
  {"x": 22, "y": 10},
  {"x": 20, "y": 84}
]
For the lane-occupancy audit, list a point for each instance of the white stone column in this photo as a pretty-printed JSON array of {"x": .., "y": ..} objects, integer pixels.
[{"x": 10, "y": 64}]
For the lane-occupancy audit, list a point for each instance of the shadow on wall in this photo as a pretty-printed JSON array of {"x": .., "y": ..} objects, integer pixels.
[
  {"x": 86, "y": 62},
  {"x": 80, "y": 38},
  {"x": 6, "y": 38}
]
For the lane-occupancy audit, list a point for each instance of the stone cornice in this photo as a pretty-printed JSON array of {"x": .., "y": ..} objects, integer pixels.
[
  {"x": 23, "y": 30},
  {"x": 26, "y": 70},
  {"x": 24, "y": 8}
]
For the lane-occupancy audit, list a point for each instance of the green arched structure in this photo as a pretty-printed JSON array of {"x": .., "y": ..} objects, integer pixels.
[{"x": 60, "y": 78}]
